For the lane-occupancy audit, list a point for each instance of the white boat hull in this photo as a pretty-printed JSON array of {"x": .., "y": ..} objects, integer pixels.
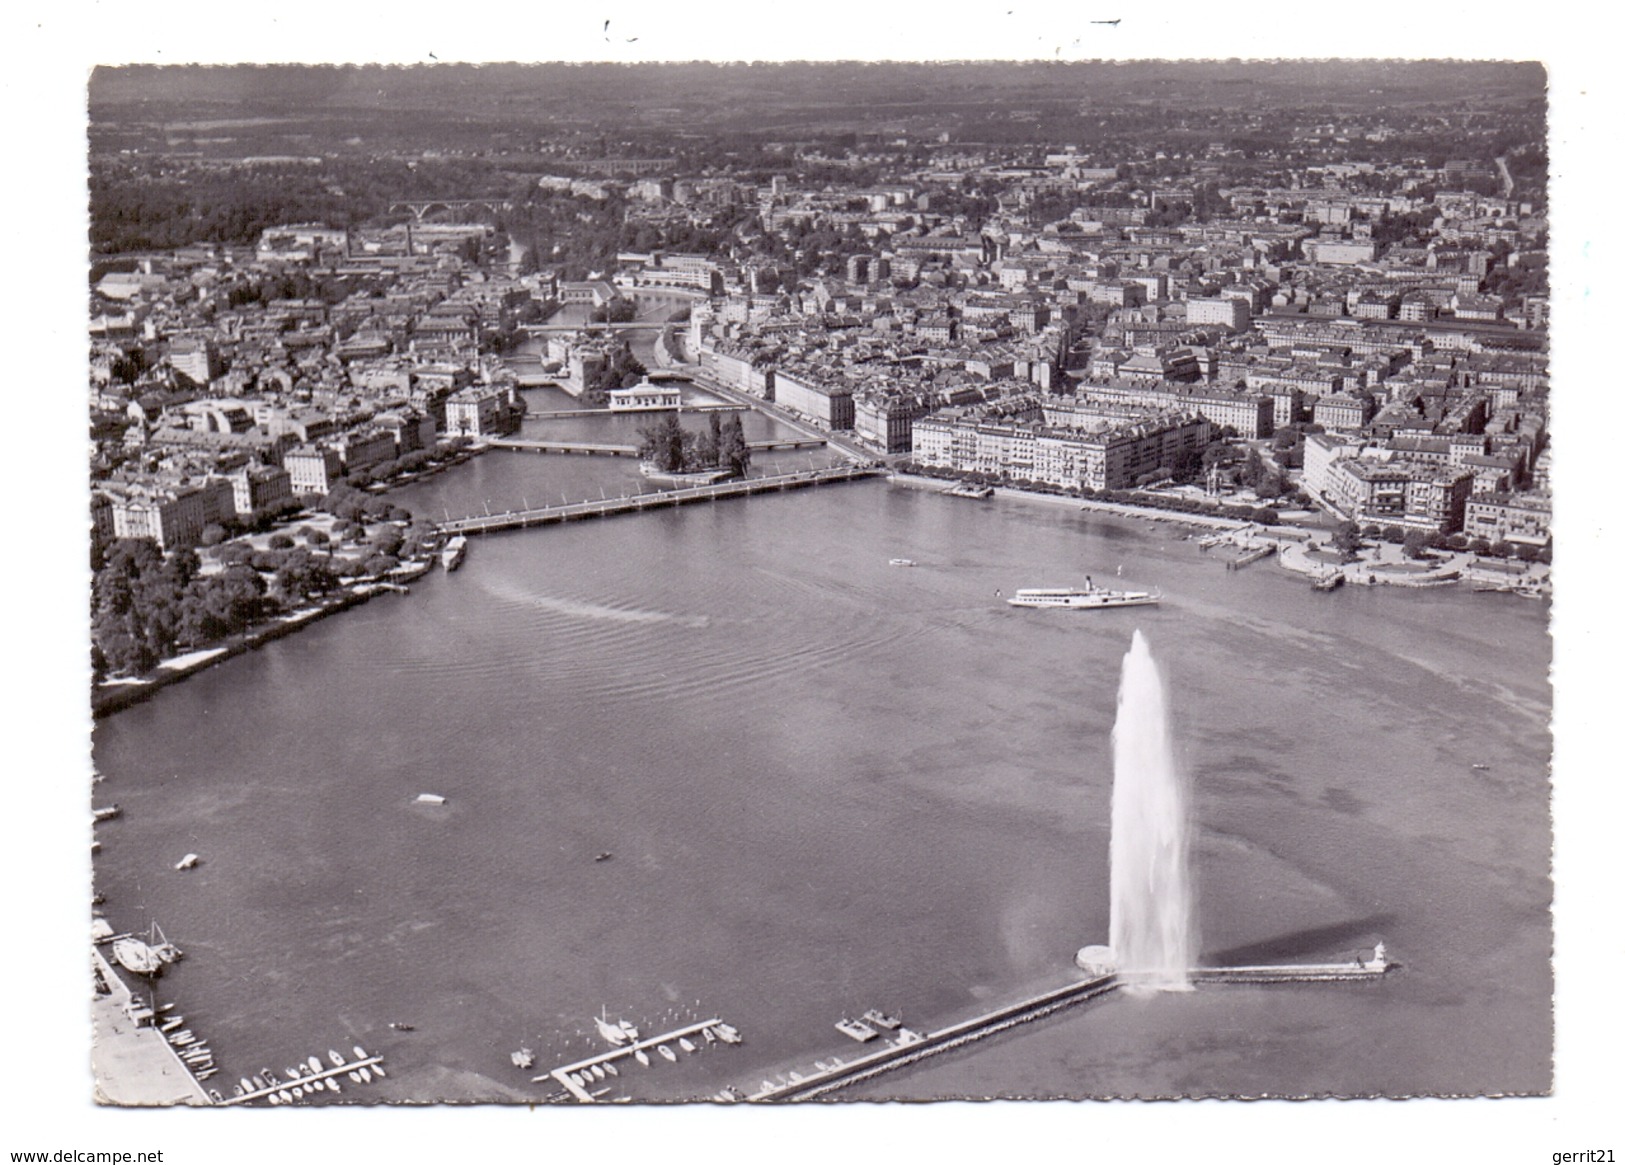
[{"x": 1082, "y": 600}]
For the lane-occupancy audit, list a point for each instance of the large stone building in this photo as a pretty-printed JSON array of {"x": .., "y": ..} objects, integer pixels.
[
  {"x": 1111, "y": 455},
  {"x": 886, "y": 419},
  {"x": 482, "y": 411},
  {"x": 259, "y": 489},
  {"x": 172, "y": 517},
  {"x": 1369, "y": 484},
  {"x": 313, "y": 469},
  {"x": 1521, "y": 519},
  {"x": 830, "y": 405}
]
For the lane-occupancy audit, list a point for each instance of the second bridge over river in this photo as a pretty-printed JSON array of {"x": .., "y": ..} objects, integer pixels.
[
  {"x": 656, "y": 499},
  {"x": 611, "y": 449}
]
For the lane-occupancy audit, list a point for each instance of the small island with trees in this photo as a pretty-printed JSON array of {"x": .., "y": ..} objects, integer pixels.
[{"x": 672, "y": 453}]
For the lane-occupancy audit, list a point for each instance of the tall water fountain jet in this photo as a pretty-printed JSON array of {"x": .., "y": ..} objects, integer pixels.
[{"x": 1153, "y": 931}]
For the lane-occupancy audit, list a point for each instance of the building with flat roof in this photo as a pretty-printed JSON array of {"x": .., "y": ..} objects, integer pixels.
[
  {"x": 1112, "y": 455},
  {"x": 645, "y": 397},
  {"x": 313, "y": 469}
]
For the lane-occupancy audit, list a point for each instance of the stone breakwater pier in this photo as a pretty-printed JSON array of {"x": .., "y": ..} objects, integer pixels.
[{"x": 834, "y": 1077}]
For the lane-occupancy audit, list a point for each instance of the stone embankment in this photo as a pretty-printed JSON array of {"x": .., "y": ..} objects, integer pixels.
[{"x": 115, "y": 695}]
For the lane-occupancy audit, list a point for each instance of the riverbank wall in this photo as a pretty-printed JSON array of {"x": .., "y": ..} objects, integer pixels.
[
  {"x": 1150, "y": 513},
  {"x": 116, "y": 696}
]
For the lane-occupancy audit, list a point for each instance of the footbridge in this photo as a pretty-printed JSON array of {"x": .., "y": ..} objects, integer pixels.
[
  {"x": 608, "y": 449},
  {"x": 597, "y": 326},
  {"x": 655, "y": 500}
]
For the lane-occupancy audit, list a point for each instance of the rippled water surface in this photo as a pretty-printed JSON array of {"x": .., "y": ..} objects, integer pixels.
[{"x": 830, "y": 784}]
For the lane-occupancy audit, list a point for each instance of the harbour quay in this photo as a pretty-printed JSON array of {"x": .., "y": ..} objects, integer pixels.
[{"x": 134, "y": 1065}]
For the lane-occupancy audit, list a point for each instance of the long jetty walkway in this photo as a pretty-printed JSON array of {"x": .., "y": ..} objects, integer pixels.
[
  {"x": 842, "y": 1074},
  {"x": 570, "y": 1075},
  {"x": 275, "y": 1087},
  {"x": 654, "y": 500}
]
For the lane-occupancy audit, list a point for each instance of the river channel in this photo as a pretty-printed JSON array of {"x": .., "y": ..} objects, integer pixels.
[{"x": 827, "y": 783}]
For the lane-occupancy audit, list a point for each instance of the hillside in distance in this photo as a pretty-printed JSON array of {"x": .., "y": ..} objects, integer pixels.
[{"x": 708, "y": 95}]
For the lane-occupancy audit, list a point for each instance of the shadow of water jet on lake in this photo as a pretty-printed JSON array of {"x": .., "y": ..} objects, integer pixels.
[{"x": 1299, "y": 944}]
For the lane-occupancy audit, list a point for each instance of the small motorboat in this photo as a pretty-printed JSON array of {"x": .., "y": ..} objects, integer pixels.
[
  {"x": 611, "y": 1069},
  {"x": 338, "y": 1060},
  {"x": 903, "y": 562},
  {"x": 642, "y": 1056},
  {"x": 360, "y": 1053},
  {"x": 685, "y": 1043},
  {"x": 667, "y": 1053},
  {"x": 378, "y": 1071},
  {"x": 602, "y": 856},
  {"x": 189, "y": 862},
  {"x": 315, "y": 1064},
  {"x": 402, "y": 1027},
  {"x": 597, "y": 1071},
  {"x": 855, "y": 1029}
]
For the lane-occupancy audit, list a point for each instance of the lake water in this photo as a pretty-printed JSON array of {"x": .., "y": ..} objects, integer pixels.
[{"x": 830, "y": 784}]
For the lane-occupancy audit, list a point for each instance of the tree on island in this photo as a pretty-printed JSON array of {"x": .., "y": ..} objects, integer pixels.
[
  {"x": 618, "y": 310},
  {"x": 673, "y": 449}
]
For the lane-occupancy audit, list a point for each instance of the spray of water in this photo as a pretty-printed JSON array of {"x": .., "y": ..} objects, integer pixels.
[{"x": 1153, "y": 933}]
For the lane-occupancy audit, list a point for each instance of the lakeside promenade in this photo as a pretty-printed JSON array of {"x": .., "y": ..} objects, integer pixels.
[
  {"x": 1306, "y": 551},
  {"x": 1149, "y": 513},
  {"x": 114, "y": 695}
]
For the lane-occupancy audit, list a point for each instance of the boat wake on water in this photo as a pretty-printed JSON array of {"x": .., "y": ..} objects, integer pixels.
[{"x": 580, "y": 609}]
